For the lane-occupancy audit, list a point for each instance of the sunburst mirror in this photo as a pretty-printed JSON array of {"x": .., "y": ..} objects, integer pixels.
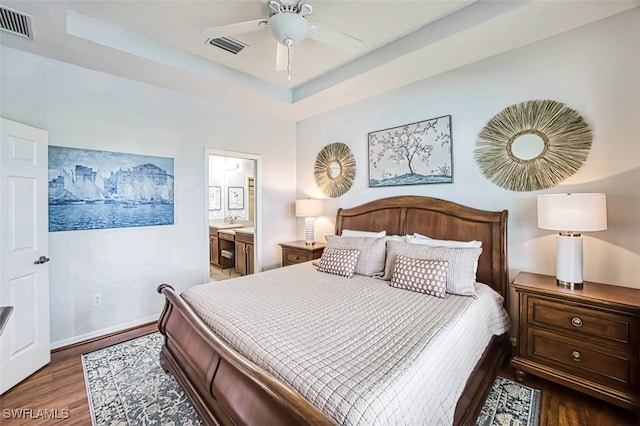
[
  {"x": 335, "y": 169},
  {"x": 533, "y": 145}
]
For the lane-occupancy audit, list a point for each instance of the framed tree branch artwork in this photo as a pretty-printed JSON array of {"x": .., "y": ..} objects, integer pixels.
[
  {"x": 215, "y": 198},
  {"x": 236, "y": 198},
  {"x": 413, "y": 154}
]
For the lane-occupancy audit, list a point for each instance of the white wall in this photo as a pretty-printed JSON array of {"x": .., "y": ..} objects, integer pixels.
[
  {"x": 86, "y": 109},
  {"x": 225, "y": 172},
  {"x": 594, "y": 69}
]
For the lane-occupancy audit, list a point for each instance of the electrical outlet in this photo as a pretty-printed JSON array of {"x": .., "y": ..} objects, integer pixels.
[{"x": 97, "y": 299}]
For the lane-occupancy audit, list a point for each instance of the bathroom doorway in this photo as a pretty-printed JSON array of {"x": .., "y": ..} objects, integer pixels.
[{"x": 232, "y": 214}]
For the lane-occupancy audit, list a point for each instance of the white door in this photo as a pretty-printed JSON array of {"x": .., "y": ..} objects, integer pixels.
[{"x": 24, "y": 274}]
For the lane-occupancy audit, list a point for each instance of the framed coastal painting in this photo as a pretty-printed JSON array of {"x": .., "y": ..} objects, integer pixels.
[
  {"x": 412, "y": 154},
  {"x": 235, "y": 198},
  {"x": 91, "y": 189}
]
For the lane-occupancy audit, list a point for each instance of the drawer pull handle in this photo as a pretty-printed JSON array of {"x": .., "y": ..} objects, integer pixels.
[
  {"x": 296, "y": 258},
  {"x": 576, "y": 322},
  {"x": 575, "y": 355}
]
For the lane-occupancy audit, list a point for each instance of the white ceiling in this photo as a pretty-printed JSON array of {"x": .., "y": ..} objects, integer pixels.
[{"x": 161, "y": 43}]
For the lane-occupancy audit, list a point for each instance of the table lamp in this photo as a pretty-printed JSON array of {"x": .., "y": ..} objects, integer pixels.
[
  {"x": 571, "y": 214},
  {"x": 308, "y": 209}
]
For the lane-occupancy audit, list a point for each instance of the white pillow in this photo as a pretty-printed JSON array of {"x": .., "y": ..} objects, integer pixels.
[
  {"x": 350, "y": 233},
  {"x": 426, "y": 241}
]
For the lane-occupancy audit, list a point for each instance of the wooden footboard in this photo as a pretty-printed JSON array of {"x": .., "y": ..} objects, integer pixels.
[
  {"x": 224, "y": 387},
  {"x": 227, "y": 389},
  {"x": 470, "y": 403}
]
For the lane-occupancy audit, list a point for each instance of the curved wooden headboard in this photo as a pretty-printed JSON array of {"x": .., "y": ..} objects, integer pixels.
[{"x": 442, "y": 220}]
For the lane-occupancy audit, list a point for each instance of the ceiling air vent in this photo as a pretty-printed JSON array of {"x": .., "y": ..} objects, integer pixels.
[
  {"x": 228, "y": 44},
  {"x": 15, "y": 22}
]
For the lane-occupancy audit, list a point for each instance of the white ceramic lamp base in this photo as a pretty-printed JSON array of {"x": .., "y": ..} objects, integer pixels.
[
  {"x": 309, "y": 233},
  {"x": 569, "y": 261}
]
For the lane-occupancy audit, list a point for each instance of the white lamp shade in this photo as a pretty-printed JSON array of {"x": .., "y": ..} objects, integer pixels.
[
  {"x": 308, "y": 208},
  {"x": 572, "y": 212}
]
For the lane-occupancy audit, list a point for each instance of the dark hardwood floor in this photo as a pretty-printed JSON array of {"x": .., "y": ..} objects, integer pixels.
[
  {"x": 562, "y": 406},
  {"x": 59, "y": 388}
]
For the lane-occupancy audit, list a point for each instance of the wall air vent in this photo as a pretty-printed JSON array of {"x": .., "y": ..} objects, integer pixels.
[
  {"x": 228, "y": 44},
  {"x": 15, "y": 22}
]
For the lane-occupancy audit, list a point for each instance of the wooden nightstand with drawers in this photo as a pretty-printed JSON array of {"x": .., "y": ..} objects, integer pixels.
[
  {"x": 585, "y": 339},
  {"x": 297, "y": 252}
]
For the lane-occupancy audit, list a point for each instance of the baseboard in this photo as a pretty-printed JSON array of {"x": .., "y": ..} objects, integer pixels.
[{"x": 102, "y": 332}]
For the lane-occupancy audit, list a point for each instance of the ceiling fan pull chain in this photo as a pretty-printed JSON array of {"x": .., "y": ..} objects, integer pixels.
[{"x": 289, "y": 44}]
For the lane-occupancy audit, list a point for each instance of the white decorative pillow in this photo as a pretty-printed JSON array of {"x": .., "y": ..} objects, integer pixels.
[
  {"x": 423, "y": 276},
  {"x": 372, "y": 252},
  {"x": 338, "y": 262},
  {"x": 461, "y": 276},
  {"x": 426, "y": 241},
  {"x": 351, "y": 233}
]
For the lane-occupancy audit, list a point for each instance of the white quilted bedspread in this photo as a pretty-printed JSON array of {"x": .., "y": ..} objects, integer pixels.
[{"x": 361, "y": 351}]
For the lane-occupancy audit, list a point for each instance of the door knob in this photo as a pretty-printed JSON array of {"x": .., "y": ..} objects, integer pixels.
[{"x": 41, "y": 260}]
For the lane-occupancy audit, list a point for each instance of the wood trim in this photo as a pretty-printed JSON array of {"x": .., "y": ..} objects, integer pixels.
[{"x": 103, "y": 337}]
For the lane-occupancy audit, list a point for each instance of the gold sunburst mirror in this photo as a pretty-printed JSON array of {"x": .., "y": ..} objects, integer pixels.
[
  {"x": 335, "y": 169},
  {"x": 533, "y": 145}
]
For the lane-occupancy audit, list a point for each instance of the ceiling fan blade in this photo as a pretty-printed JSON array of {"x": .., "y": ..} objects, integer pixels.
[
  {"x": 237, "y": 28},
  {"x": 334, "y": 38},
  {"x": 282, "y": 58}
]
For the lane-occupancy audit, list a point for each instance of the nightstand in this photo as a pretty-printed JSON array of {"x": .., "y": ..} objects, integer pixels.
[
  {"x": 297, "y": 252},
  {"x": 584, "y": 339}
]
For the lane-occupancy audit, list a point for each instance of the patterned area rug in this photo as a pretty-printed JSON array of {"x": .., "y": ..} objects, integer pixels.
[
  {"x": 510, "y": 403},
  {"x": 127, "y": 386}
]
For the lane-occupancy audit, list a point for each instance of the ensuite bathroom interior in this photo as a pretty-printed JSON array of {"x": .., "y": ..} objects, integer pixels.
[{"x": 232, "y": 208}]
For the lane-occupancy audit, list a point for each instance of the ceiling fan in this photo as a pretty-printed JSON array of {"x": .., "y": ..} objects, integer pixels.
[{"x": 289, "y": 25}]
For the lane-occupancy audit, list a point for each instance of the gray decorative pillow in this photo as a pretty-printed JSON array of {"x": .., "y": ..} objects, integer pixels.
[
  {"x": 461, "y": 276},
  {"x": 372, "y": 252},
  {"x": 338, "y": 262},
  {"x": 423, "y": 276}
]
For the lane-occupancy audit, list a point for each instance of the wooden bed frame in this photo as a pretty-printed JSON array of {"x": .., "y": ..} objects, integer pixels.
[{"x": 226, "y": 388}]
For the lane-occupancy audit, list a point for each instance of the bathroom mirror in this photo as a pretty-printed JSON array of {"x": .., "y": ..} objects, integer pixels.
[
  {"x": 533, "y": 145},
  {"x": 334, "y": 169}
]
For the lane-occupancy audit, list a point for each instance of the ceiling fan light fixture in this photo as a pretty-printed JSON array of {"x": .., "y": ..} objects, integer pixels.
[{"x": 290, "y": 26}]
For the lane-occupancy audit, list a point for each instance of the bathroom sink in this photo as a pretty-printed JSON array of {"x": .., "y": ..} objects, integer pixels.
[{"x": 225, "y": 225}]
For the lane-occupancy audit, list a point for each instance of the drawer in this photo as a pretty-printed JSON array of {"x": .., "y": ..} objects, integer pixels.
[
  {"x": 225, "y": 236},
  {"x": 244, "y": 237},
  {"x": 584, "y": 322},
  {"x": 611, "y": 368},
  {"x": 291, "y": 257}
]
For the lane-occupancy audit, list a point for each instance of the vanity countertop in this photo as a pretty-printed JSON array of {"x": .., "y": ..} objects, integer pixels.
[
  {"x": 227, "y": 231},
  {"x": 222, "y": 225},
  {"x": 246, "y": 230}
]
